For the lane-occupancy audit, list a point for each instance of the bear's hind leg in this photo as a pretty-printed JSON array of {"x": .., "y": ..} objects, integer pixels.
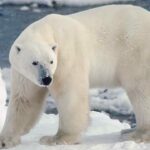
[
  {"x": 23, "y": 111},
  {"x": 140, "y": 99}
]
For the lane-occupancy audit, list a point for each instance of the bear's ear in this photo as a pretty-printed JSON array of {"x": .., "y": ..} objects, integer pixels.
[
  {"x": 18, "y": 49},
  {"x": 54, "y": 48}
]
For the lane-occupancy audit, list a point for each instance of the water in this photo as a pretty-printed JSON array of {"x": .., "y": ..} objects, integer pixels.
[{"x": 13, "y": 21}]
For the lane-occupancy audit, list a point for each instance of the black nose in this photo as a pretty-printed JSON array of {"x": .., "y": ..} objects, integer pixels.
[{"x": 46, "y": 80}]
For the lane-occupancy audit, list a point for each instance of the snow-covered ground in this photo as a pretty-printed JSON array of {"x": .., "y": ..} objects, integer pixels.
[
  {"x": 3, "y": 96},
  {"x": 3, "y": 93},
  {"x": 112, "y": 100},
  {"x": 63, "y": 2}
]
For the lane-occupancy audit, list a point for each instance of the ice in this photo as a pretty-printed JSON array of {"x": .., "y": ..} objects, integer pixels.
[
  {"x": 3, "y": 94},
  {"x": 24, "y": 8},
  {"x": 102, "y": 129},
  {"x": 6, "y": 78},
  {"x": 3, "y": 97},
  {"x": 112, "y": 100},
  {"x": 102, "y": 134}
]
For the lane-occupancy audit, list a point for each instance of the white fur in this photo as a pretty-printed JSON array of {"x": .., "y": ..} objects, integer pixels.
[{"x": 107, "y": 46}]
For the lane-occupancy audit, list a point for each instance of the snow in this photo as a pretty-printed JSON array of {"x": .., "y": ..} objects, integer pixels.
[
  {"x": 103, "y": 132},
  {"x": 3, "y": 96},
  {"x": 100, "y": 124},
  {"x": 112, "y": 100},
  {"x": 6, "y": 78},
  {"x": 2, "y": 90},
  {"x": 24, "y": 8},
  {"x": 62, "y": 2}
]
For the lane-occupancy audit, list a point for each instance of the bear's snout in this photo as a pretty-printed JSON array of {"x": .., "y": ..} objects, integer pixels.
[
  {"x": 45, "y": 77},
  {"x": 46, "y": 81}
]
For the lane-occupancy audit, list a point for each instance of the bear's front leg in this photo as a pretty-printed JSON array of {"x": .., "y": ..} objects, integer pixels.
[
  {"x": 24, "y": 108},
  {"x": 73, "y": 107},
  {"x": 140, "y": 99}
]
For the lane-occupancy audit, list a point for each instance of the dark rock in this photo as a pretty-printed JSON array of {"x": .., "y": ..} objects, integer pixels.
[
  {"x": 105, "y": 90},
  {"x": 1, "y": 14},
  {"x": 51, "y": 111},
  {"x": 54, "y": 4}
]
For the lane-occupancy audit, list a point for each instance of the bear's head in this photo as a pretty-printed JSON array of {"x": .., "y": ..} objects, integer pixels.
[{"x": 34, "y": 55}]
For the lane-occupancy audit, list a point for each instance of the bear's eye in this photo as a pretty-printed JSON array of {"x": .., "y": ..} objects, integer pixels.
[
  {"x": 51, "y": 62},
  {"x": 35, "y": 63},
  {"x": 18, "y": 49},
  {"x": 54, "y": 48}
]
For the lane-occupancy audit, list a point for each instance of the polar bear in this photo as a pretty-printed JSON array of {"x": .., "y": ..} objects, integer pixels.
[{"x": 67, "y": 55}]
